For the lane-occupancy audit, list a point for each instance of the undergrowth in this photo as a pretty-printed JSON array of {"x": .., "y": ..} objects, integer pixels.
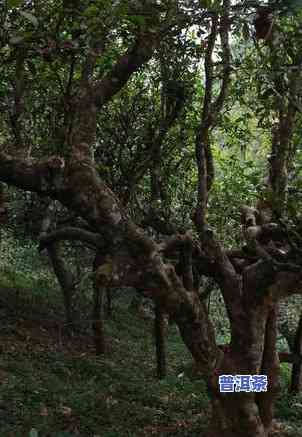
[{"x": 53, "y": 385}]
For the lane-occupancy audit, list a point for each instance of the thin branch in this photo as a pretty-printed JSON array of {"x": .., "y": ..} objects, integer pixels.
[
  {"x": 126, "y": 65},
  {"x": 71, "y": 233}
]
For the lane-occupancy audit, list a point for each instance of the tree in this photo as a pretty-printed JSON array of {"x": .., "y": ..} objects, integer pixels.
[{"x": 89, "y": 53}]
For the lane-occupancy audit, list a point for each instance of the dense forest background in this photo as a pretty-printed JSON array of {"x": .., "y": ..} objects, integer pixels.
[{"x": 150, "y": 208}]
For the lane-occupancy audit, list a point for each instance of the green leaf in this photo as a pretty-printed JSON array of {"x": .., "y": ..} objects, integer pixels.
[
  {"x": 267, "y": 93},
  {"x": 16, "y": 39},
  {"x": 293, "y": 5},
  {"x": 137, "y": 19},
  {"x": 14, "y": 3},
  {"x": 91, "y": 11},
  {"x": 32, "y": 68},
  {"x": 30, "y": 17},
  {"x": 33, "y": 433},
  {"x": 205, "y": 3}
]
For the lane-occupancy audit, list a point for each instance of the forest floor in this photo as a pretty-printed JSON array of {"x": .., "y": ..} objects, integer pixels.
[{"x": 53, "y": 385}]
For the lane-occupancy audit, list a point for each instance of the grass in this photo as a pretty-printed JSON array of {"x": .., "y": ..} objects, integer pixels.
[
  {"x": 53, "y": 385},
  {"x": 289, "y": 407}
]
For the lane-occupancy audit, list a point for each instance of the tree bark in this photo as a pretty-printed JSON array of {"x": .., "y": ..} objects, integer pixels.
[
  {"x": 98, "y": 319},
  {"x": 296, "y": 378},
  {"x": 98, "y": 308},
  {"x": 270, "y": 368},
  {"x": 66, "y": 282},
  {"x": 64, "y": 276},
  {"x": 160, "y": 342}
]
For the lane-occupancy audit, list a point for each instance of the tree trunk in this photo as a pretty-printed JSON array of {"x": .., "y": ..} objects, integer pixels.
[
  {"x": 66, "y": 282},
  {"x": 160, "y": 342},
  {"x": 98, "y": 319},
  {"x": 270, "y": 367},
  {"x": 108, "y": 302},
  {"x": 252, "y": 351},
  {"x": 235, "y": 415},
  {"x": 296, "y": 378}
]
